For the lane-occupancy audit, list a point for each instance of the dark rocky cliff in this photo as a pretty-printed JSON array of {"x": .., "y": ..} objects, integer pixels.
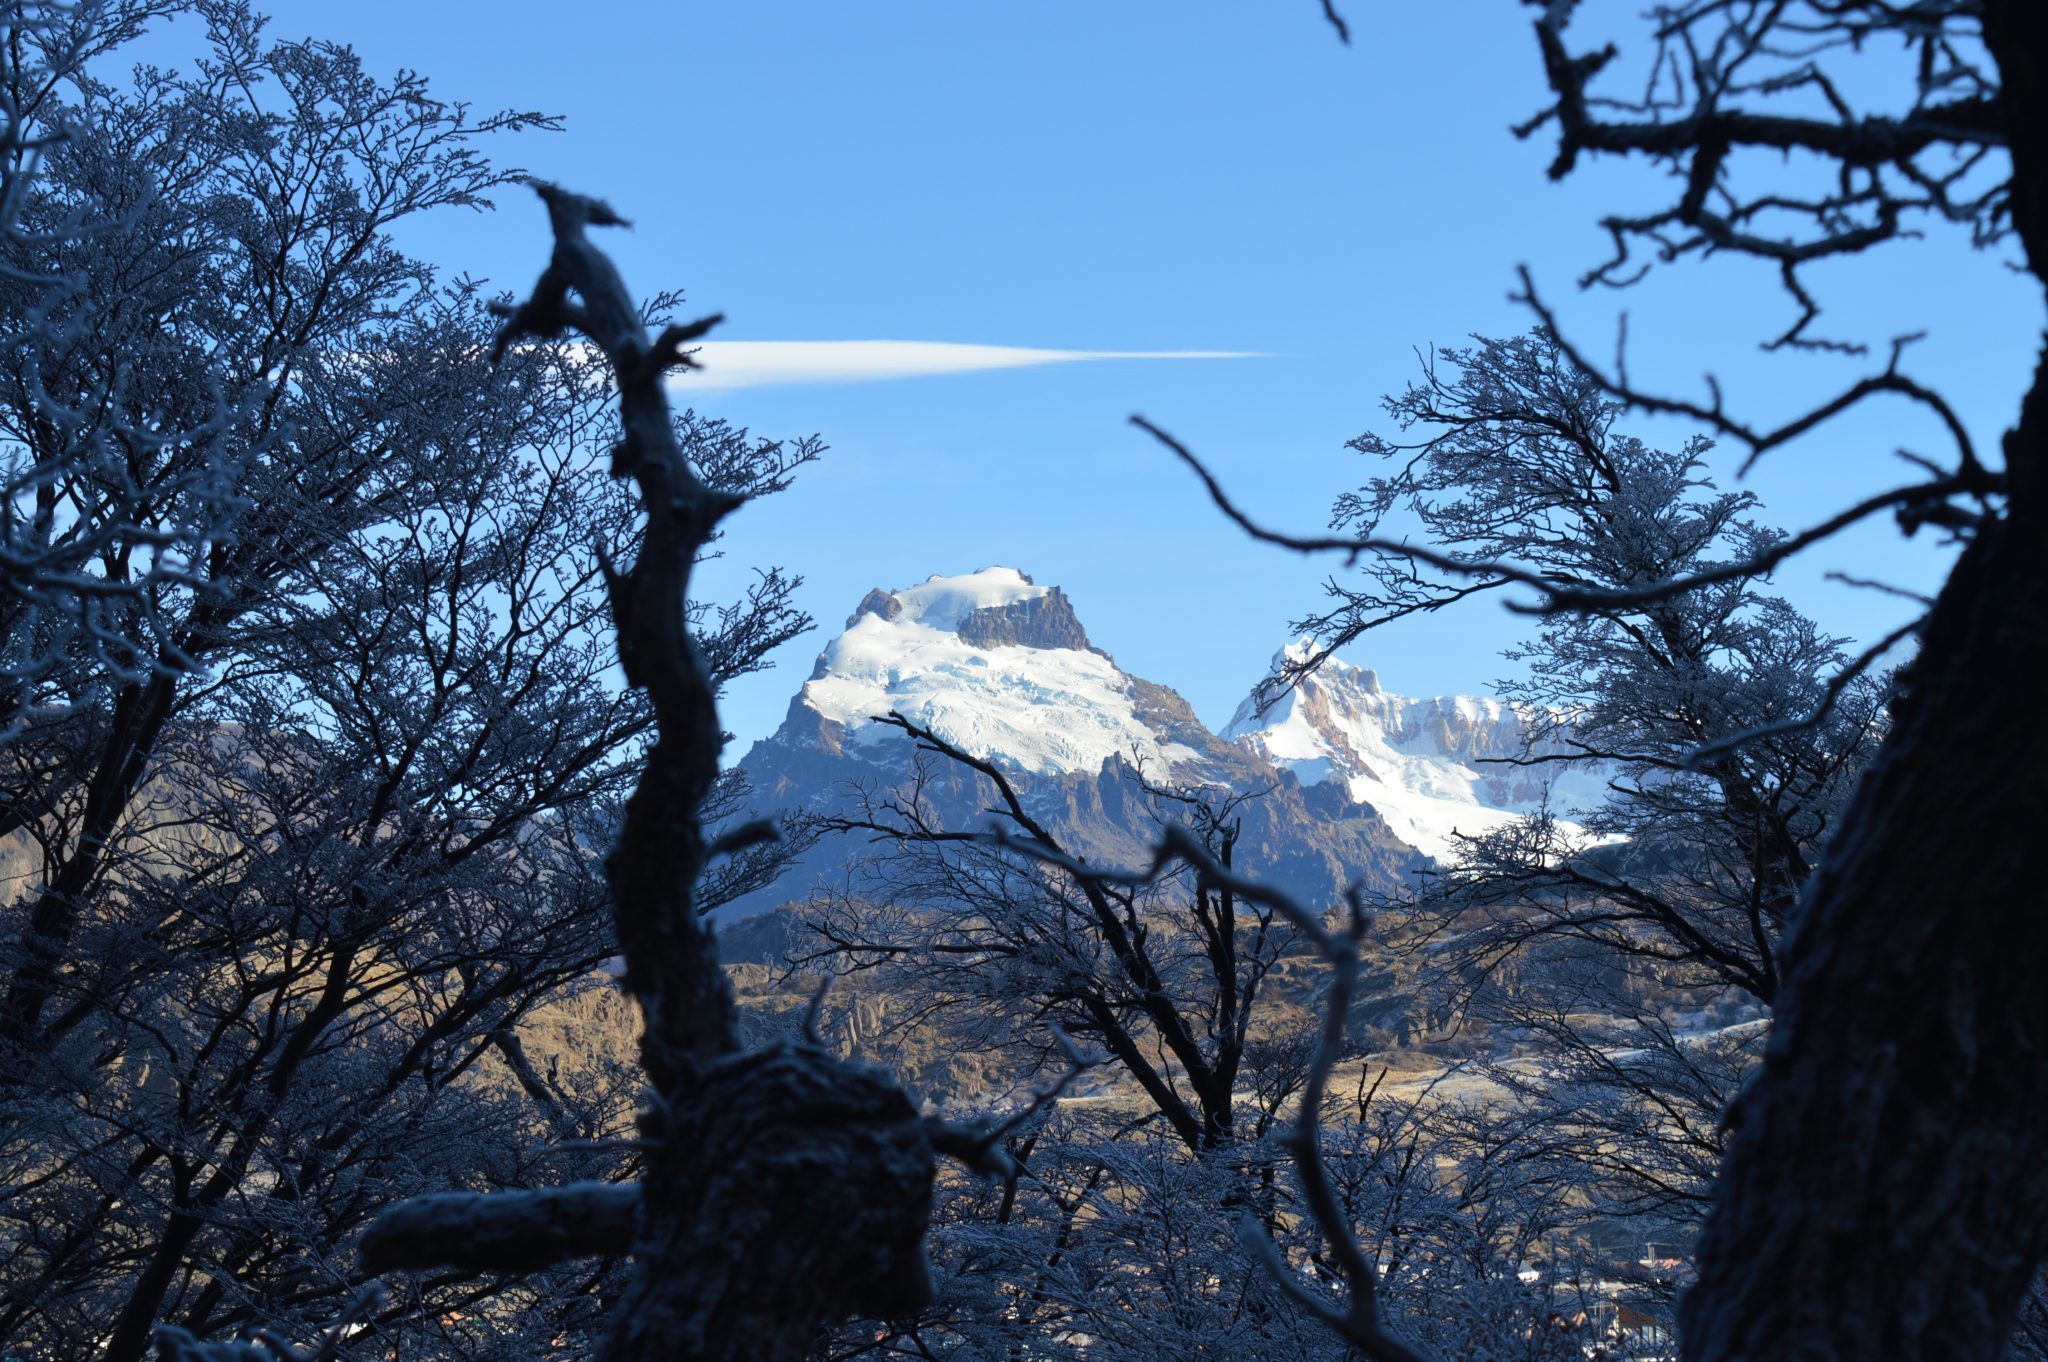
[{"x": 1046, "y": 621}]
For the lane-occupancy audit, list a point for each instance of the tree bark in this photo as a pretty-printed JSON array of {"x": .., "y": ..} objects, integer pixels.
[
  {"x": 792, "y": 1192},
  {"x": 1885, "y": 1193},
  {"x": 1887, "y": 1174},
  {"x": 503, "y": 1231}
]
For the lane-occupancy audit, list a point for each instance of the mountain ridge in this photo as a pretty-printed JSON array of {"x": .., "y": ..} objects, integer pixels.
[
  {"x": 1355, "y": 784},
  {"x": 1434, "y": 766}
]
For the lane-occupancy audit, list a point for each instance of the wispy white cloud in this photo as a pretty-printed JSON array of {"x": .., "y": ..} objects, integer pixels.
[{"x": 749, "y": 364}]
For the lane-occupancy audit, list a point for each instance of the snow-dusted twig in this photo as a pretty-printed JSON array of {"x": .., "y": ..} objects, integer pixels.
[
  {"x": 1921, "y": 500},
  {"x": 980, "y": 1147},
  {"x": 174, "y": 1344},
  {"x": 1831, "y": 694},
  {"x": 1361, "y": 1322},
  {"x": 1352, "y": 547}
]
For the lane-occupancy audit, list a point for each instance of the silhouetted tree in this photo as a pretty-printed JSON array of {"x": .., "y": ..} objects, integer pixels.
[
  {"x": 996, "y": 936},
  {"x": 782, "y": 1189},
  {"x": 1884, "y": 1191},
  {"x": 313, "y": 738},
  {"x": 1885, "y": 1186},
  {"x": 1726, "y": 727}
]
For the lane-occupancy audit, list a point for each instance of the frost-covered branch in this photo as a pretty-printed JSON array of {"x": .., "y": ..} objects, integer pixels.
[{"x": 514, "y": 1231}]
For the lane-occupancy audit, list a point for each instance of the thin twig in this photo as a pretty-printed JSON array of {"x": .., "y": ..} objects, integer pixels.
[
  {"x": 979, "y": 1147},
  {"x": 1337, "y": 22},
  {"x": 1837, "y": 683}
]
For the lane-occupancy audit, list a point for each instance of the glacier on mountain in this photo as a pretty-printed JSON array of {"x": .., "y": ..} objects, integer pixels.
[
  {"x": 1001, "y": 666},
  {"x": 931, "y": 653},
  {"x": 1434, "y": 767}
]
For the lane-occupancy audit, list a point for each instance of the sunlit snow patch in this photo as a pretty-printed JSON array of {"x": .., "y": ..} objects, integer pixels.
[
  {"x": 1042, "y": 709},
  {"x": 1420, "y": 762}
]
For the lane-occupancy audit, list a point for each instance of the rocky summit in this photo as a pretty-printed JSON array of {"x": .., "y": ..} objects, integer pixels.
[
  {"x": 1353, "y": 784},
  {"x": 1433, "y": 767}
]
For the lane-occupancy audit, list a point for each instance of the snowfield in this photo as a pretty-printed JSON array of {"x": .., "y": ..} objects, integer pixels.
[
  {"x": 1421, "y": 762},
  {"x": 1430, "y": 766},
  {"x": 1042, "y": 709},
  {"x": 940, "y": 603}
]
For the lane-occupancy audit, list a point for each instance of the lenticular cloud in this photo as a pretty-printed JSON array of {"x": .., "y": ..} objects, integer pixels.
[{"x": 747, "y": 364}]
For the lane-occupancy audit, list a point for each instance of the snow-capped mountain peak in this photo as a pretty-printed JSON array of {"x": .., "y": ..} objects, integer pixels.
[
  {"x": 1001, "y": 667},
  {"x": 991, "y": 661},
  {"x": 941, "y": 602},
  {"x": 1432, "y": 766}
]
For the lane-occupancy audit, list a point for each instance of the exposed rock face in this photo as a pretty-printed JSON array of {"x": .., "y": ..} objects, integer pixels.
[
  {"x": 876, "y": 602},
  {"x": 1003, "y": 668},
  {"x": 1357, "y": 780},
  {"x": 1046, "y": 621}
]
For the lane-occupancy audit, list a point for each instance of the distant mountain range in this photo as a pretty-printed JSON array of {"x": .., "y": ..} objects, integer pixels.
[{"x": 1358, "y": 784}]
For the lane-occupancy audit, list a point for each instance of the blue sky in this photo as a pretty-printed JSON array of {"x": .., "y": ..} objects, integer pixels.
[{"x": 1138, "y": 176}]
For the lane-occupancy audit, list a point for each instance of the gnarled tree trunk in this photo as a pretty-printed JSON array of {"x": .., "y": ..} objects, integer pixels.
[
  {"x": 1886, "y": 1188},
  {"x": 785, "y": 1189},
  {"x": 1886, "y": 1185}
]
